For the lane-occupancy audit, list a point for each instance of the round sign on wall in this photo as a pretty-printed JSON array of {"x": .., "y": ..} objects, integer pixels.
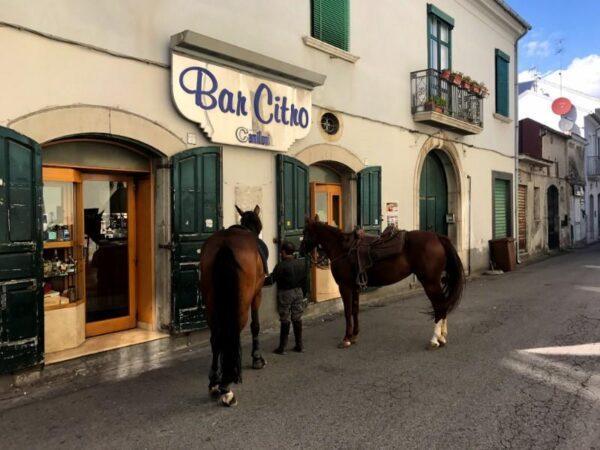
[{"x": 561, "y": 106}]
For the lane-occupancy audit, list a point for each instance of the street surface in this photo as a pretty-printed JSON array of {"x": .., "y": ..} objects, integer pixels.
[{"x": 521, "y": 370}]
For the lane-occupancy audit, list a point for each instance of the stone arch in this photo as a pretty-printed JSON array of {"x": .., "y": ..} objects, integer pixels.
[
  {"x": 329, "y": 152},
  {"x": 449, "y": 156},
  {"x": 53, "y": 123}
]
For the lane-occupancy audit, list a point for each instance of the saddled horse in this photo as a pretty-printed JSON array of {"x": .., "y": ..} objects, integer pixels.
[
  {"x": 231, "y": 279},
  {"x": 430, "y": 256}
]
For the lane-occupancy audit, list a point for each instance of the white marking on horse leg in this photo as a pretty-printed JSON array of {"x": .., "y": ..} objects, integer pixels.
[
  {"x": 227, "y": 399},
  {"x": 445, "y": 328},
  {"x": 437, "y": 338}
]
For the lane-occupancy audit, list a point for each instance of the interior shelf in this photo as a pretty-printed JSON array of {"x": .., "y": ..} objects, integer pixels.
[{"x": 57, "y": 244}]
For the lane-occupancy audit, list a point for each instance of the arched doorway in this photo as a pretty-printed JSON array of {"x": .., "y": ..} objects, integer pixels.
[
  {"x": 553, "y": 218},
  {"x": 331, "y": 186},
  {"x": 433, "y": 194}
]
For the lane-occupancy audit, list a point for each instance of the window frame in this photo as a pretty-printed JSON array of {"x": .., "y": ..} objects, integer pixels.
[
  {"x": 500, "y": 56},
  {"x": 346, "y": 25},
  {"x": 438, "y": 17}
]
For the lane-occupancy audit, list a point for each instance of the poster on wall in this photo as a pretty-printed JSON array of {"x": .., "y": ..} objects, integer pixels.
[
  {"x": 237, "y": 108},
  {"x": 391, "y": 210}
]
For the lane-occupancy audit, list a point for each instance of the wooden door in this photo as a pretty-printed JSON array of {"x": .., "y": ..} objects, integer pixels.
[
  {"x": 433, "y": 196},
  {"x": 21, "y": 294},
  {"x": 522, "y": 218},
  {"x": 326, "y": 202},
  {"x": 553, "y": 218},
  {"x": 109, "y": 253},
  {"x": 197, "y": 213}
]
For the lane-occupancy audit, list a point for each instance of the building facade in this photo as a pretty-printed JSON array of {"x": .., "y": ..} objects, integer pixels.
[
  {"x": 536, "y": 98},
  {"x": 551, "y": 210},
  {"x": 133, "y": 133}
]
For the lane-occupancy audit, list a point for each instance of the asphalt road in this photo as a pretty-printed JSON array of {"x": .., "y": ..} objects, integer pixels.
[{"x": 516, "y": 373}]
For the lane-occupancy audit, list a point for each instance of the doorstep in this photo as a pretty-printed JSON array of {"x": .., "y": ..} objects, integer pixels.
[{"x": 105, "y": 343}]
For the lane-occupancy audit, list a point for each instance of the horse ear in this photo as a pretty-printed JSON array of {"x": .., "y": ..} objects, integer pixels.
[
  {"x": 317, "y": 218},
  {"x": 240, "y": 212},
  {"x": 257, "y": 210}
]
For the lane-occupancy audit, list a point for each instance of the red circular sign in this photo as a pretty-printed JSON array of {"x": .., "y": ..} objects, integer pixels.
[{"x": 561, "y": 106}]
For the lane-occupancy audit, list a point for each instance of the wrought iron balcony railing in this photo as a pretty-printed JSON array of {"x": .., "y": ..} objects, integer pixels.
[
  {"x": 439, "y": 102},
  {"x": 593, "y": 166}
]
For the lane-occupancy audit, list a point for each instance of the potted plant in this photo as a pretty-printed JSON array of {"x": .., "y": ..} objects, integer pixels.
[
  {"x": 446, "y": 73},
  {"x": 466, "y": 83},
  {"x": 456, "y": 78},
  {"x": 429, "y": 104},
  {"x": 440, "y": 104},
  {"x": 475, "y": 88},
  {"x": 484, "y": 90}
]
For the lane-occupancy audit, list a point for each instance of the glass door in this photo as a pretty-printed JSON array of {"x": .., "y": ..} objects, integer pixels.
[
  {"x": 109, "y": 253},
  {"x": 326, "y": 202}
]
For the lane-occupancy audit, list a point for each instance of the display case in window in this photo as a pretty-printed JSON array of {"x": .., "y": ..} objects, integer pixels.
[{"x": 62, "y": 257}]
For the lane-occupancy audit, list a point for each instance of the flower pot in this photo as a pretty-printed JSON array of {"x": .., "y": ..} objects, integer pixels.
[
  {"x": 475, "y": 90},
  {"x": 445, "y": 74},
  {"x": 457, "y": 79},
  {"x": 439, "y": 109},
  {"x": 466, "y": 85},
  {"x": 429, "y": 106}
]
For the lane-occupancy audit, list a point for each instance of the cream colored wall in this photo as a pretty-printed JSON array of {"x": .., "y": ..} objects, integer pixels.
[{"x": 377, "y": 86}]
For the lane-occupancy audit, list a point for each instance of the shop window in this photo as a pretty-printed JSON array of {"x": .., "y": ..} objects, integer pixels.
[
  {"x": 331, "y": 22},
  {"x": 439, "y": 37},
  {"x": 502, "y": 89}
]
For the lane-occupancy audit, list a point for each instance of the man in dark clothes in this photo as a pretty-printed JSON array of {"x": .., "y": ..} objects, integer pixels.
[{"x": 290, "y": 275}]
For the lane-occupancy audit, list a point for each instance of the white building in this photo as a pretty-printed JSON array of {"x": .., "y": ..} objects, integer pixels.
[
  {"x": 151, "y": 124},
  {"x": 535, "y": 102}
]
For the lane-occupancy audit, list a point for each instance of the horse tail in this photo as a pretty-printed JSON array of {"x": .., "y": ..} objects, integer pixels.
[
  {"x": 454, "y": 281},
  {"x": 226, "y": 324}
]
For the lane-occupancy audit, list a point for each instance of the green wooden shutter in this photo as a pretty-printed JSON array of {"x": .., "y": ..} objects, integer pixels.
[
  {"x": 196, "y": 214},
  {"x": 369, "y": 199},
  {"x": 331, "y": 22},
  {"x": 501, "y": 208},
  {"x": 502, "y": 88},
  {"x": 21, "y": 288},
  {"x": 292, "y": 198}
]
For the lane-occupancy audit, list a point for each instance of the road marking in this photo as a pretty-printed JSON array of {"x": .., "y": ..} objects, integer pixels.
[
  {"x": 592, "y": 349},
  {"x": 589, "y": 288},
  {"x": 592, "y": 267}
]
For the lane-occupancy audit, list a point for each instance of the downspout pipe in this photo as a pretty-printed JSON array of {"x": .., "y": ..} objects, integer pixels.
[
  {"x": 469, "y": 238},
  {"x": 516, "y": 115}
]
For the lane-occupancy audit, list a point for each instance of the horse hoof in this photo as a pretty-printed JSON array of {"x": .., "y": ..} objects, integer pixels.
[
  {"x": 443, "y": 341},
  {"x": 258, "y": 363},
  {"x": 434, "y": 344},
  {"x": 228, "y": 399},
  {"x": 213, "y": 391},
  {"x": 344, "y": 344},
  {"x": 354, "y": 340}
]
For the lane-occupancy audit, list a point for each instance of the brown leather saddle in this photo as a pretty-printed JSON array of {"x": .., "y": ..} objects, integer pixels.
[{"x": 367, "y": 250}]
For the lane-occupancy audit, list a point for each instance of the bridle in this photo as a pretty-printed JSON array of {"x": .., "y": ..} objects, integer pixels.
[{"x": 321, "y": 261}]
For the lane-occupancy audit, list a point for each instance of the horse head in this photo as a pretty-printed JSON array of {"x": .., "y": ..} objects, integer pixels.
[
  {"x": 250, "y": 219},
  {"x": 309, "y": 235}
]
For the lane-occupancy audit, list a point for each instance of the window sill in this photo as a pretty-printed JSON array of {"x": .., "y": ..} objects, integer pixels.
[
  {"x": 502, "y": 118},
  {"x": 331, "y": 50}
]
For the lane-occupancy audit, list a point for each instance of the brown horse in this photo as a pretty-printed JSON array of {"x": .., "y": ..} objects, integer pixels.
[
  {"x": 231, "y": 278},
  {"x": 430, "y": 256}
]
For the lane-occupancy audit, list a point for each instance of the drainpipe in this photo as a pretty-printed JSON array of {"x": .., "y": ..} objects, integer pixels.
[
  {"x": 469, "y": 238},
  {"x": 516, "y": 183}
]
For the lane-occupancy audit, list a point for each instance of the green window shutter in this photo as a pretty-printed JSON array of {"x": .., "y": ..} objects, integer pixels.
[
  {"x": 293, "y": 204},
  {"x": 502, "y": 88},
  {"x": 331, "y": 22},
  {"x": 196, "y": 214},
  {"x": 369, "y": 199},
  {"x": 501, "y": 197},
  {"x": 21, "y": 284}
]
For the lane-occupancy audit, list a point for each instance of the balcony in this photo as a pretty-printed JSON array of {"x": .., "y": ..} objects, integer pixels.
[
  {"x": 440, "y": 103},
  {"x": 593, "y": 166}
]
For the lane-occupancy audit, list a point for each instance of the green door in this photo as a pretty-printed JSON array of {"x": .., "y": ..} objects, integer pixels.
[
  {"x": 369, "y": 199},
  {"x": 21, "y": 292},
  {"x": 433, "y": 196},
  {"x": 196, "y": 214},
  {"x": 293, "y": 202}
]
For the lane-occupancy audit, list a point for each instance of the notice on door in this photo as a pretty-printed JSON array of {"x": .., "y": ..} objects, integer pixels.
[{"x": 391, "y": 211}]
